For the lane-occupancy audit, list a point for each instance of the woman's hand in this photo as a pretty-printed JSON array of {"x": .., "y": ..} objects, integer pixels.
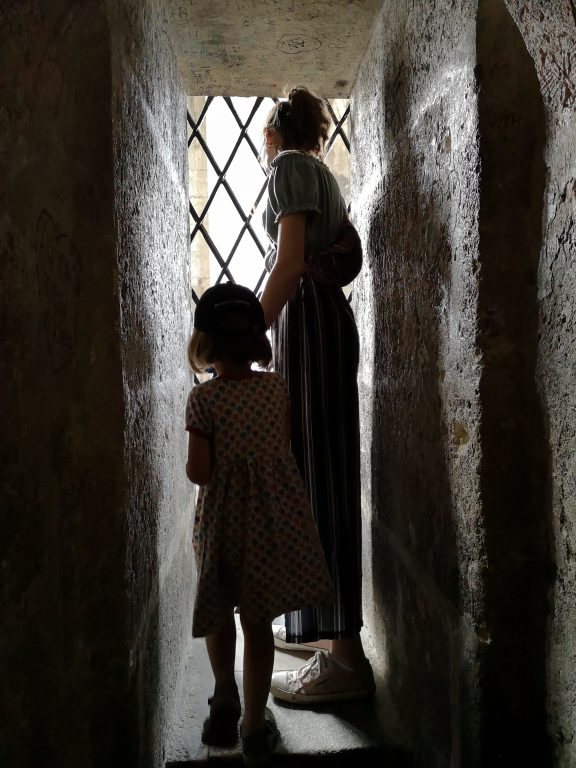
[{"x": 289, "y": 266}]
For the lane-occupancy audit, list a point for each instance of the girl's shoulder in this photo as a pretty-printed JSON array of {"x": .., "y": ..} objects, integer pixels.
[
  {"x": 269, "y": 379},
  {"x": 264, "y": 377},
  {"x": 203, "y": 390},
  {"x": 269, "y": 376},
  {"x": 276, "y": 381}
]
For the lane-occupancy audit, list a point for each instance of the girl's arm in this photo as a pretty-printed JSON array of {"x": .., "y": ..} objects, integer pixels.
[
  {"x": 199, "y": 464},
  {"x": 289, "y": 266}
]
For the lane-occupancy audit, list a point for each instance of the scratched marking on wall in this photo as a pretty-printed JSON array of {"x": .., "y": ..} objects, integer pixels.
[
  {"x": 58, "y": 284},
  {"x": 294, "y": 44},
  {"x": 558, "y": 84}
]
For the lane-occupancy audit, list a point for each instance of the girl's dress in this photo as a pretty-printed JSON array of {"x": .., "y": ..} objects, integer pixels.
[
  {"x": 316, "y": 349},
  {"x": 255, "y": 540}
]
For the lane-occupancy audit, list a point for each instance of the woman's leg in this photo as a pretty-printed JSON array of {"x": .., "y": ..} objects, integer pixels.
[
  {"x": 349, "y": 651},
  {"x": 258, "y": 663},
  {"x": 221, "y": 646}
]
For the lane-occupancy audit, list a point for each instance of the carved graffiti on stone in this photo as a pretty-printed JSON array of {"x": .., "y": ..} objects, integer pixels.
[
  {"x": 58, "y": 283},
  {"x": 558, "y": 84},
  {"x": 297, "y": 43}
]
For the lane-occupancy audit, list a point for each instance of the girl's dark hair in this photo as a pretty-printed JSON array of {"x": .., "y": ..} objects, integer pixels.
[
  {"x": 301, "y": 121},
  {"x": 204, "y": 349}
]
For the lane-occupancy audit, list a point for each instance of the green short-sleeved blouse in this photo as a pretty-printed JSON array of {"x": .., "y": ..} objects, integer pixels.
[{"x": 300, "y": 183}]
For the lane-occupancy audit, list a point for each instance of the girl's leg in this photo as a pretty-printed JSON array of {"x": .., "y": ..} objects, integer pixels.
[
  {"x": 221, "y": 646},
  {"x": 258, "y": 663},
  {"x": 221, "y": 727}
]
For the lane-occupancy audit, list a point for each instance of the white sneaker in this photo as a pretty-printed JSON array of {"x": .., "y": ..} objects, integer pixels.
[
  {"x": 279, "y": 632},
  {"x": 323, "y": 680}
]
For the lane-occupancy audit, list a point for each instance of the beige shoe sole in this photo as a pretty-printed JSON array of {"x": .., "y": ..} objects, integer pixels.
[{"x": 308, "y": 699}]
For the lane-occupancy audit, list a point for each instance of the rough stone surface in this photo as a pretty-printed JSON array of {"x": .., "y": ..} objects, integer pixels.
[
  {"x": 95, "y": 586},
  {"x": 63, "y": 601},
  {"x": 151, "y": 210},
  {"x": 258, "y": 47},
  {"x": 515, "y": 453},
  {"x": 549, "y": 31},
  {"x": 465, "y": 307},
  {"x": 415, "y": 199},
  {"x": 467, "y": 298}
]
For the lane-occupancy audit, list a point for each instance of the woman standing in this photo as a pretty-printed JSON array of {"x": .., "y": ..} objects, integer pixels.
[{"x": 316, "y": 349}]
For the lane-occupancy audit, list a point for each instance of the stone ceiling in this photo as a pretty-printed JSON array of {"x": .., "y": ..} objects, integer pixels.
[{"x": 259, "y": 47}]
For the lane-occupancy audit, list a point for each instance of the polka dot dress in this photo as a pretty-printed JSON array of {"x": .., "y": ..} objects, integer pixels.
[{"x": 255, "y": 539}]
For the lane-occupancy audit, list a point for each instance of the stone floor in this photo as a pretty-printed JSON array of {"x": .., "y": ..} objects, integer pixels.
[{"x": 338, "y": 734}]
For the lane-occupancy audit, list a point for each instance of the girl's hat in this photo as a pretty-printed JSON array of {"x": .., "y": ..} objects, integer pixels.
[{"x": 229, "y": 309}]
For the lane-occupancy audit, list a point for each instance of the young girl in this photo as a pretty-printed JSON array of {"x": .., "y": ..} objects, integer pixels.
[{"x": 253, "y": 520}]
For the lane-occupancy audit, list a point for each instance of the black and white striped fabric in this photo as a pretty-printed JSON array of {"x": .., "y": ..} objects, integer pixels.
[{"x": 316, "y": 348}]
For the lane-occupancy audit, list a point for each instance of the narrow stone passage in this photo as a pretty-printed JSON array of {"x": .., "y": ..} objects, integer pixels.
[{"x": 337, "y": 734}]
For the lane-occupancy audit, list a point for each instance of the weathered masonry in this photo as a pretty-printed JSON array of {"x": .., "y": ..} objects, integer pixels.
[{"x": 464, "y": 190}]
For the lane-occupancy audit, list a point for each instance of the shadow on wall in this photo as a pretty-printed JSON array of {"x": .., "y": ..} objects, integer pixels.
[
  {"x": 414, "y": 553},
  {"x": 515, "y": 448}
]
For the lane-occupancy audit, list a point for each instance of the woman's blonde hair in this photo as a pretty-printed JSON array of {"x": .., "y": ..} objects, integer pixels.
[
  {"x": 301, "y": 120},
  {"x": 205, "y": 349}
]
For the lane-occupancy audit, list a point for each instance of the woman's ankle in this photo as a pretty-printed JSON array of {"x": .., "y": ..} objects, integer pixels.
[
  {"x": 349, "y": 651},
  {"x": 323, "y": 645}
]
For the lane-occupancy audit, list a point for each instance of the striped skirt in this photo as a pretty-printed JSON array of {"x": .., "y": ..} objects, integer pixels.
[{"x": 316, "y": 348}]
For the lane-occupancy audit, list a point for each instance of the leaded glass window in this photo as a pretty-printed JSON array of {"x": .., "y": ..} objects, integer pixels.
[{"x": 228, "y": 185}]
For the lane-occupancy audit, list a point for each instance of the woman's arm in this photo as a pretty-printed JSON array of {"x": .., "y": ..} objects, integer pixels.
[
  {"x": 199, "y": 464},
  {"x": 289, "y": 266}
]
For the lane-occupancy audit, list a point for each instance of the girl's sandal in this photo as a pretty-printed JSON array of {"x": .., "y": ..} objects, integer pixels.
[
  {"x": 221, "y": 726},
  {"x": 258, "y": 747}
]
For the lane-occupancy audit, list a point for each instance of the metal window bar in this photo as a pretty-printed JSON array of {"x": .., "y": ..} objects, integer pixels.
[
  {"x": 221, "y": 181},
  {"x": 338, "y": 127},
  {"x": 225, "y": 261}
]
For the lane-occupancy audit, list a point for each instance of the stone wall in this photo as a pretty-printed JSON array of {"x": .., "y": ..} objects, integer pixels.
[
  {"x": 415, "y": 199},
  {"x": 151, "y": 211},
  {"x": 63, "y": 640},
  {"x": 149, "y": 113},
  {"x": 462, "y": 177},
  {"x": 94, "y": 317},
  {"x": 549, "y": 32},
  {"x": 515, "y": 452}
]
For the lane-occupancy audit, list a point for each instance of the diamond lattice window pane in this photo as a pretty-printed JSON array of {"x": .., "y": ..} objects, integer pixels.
[
  {"x": 222, "y": 132},
  {"x": 227, "y": 186},
  {"x": 246, "y": 177},
  {"x": 258, "y": 224},
  {"x": 340, "y": 108},
  {"x": 195, "y": 106},
  {"x": 248, "y": 265},
  {"x": 243, "y": 107},
  {"x": 256, "y": 126},
  {"x": 338, "y": 160},
  {"x": 225, "y": 222},
  {"x": 346, "y": 127}
]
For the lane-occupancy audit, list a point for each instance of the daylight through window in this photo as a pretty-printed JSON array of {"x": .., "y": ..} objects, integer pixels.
[{"x": 228, "y": 185}]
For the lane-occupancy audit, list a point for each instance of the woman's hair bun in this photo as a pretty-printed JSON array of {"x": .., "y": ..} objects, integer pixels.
[{"x": 301, "y": 120}]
